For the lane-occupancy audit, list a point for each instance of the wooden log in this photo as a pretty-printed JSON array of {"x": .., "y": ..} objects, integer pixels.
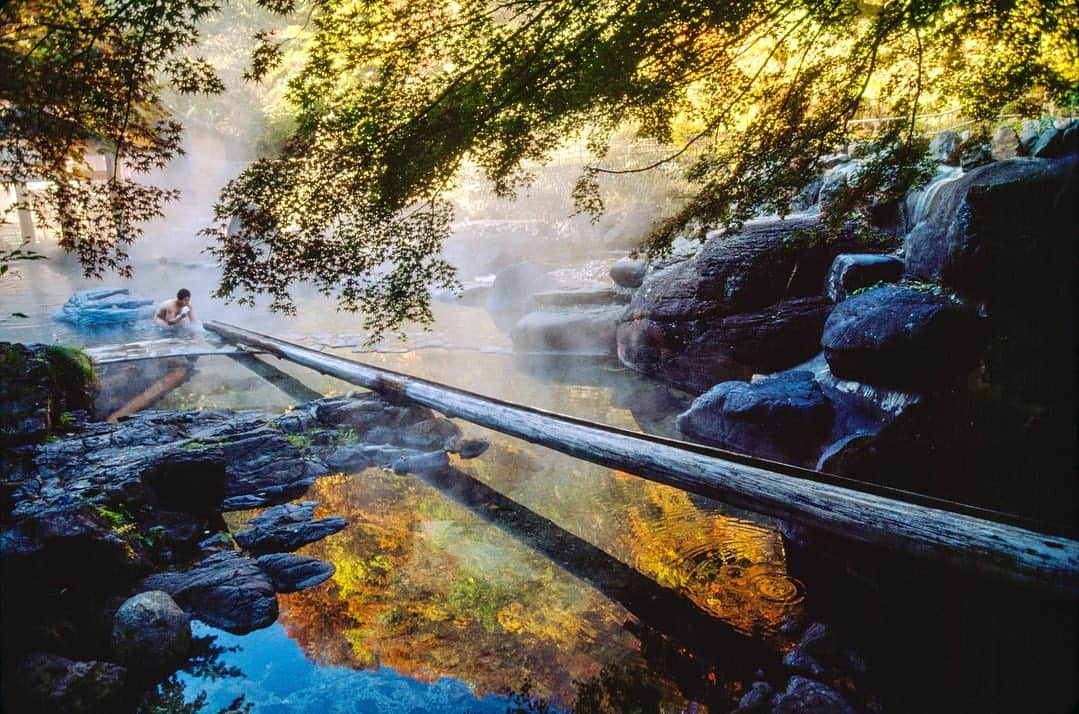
[
  {"x": 998, "y": 550},
  {"x": 172, "y": 379}
]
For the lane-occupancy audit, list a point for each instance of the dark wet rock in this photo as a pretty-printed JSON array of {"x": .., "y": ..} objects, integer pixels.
[
  {"x": 579, "y": 298},
  {"x": 511, "y": 293},
  {"x": 1052, "y": 144},
  {"x": 785, "y": 417},
  {"x": 150, "y": 631},
  {"x": 188, "y": 479},
  {"x": 577, "y": 332},
  {"x": 286, "y": 527},
  {"x": 471, "y": 448},
  {"x": 429, "y": 434},
  {"x": 820, "y": 640},
  {"x": 41, "y": 386},
  {"x": 851, "y": 271},
  {"x": 746, "y": 303},
  {"x": 421, "y": 463},
  {"x": 628, "y": 272},
  {"x": 974, "y": 152},
  {"x": 357, "y": 457},
  {"x": 290, "y": 573},
  {"x": 50, "y": 683},
  {"x": 802, "y": 662},
  {"x": 264, "y": 462},
  {"x": 944, "y": 148},
  {"x": 226, "y": 590},
  {"x": 104, "y": 306},
  {"x": 757, "y": 698},
  {"x": 901, "y": 337},
  {"x": 808, "y": 696},
  {"x": 1005, "y": 144}
]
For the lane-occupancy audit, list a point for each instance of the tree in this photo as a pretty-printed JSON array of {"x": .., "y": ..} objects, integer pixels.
[
  {"x": 395, "y": 95},
  {"x": 82, "y": 77}
]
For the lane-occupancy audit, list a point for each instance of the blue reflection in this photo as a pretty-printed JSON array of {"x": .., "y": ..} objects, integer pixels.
[{"x": 277, "y": 678}]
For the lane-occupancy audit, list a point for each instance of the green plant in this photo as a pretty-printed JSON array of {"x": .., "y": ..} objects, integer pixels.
[
  {"x": 300, "y": 442},
  {"x": 346, "y": 435}
]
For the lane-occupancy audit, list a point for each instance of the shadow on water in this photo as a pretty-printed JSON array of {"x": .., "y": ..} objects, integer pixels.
[{"x": 706, "y": 656}]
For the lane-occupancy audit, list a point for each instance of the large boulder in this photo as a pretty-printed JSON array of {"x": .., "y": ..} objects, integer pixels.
[
  {"x": 744, "y": 304},
  {"x": 851, "y": 271},
  {"x": 629, "y": 272},
  {"x": 225, "y": 590},
  {"x": 290, "y": 573},
  {"x": 150, "y": 631},
  {"x": 1005, "y": 144},
  {"x": 785, "y": 417},
  {"x": 511, "y": 293},
  {"x": 900, "y": 337},
  {"x": 1004, "y": 236},
  {"x": 577, "y": 332}
]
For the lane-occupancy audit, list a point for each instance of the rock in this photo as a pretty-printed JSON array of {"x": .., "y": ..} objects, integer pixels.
[
  {"x": 429, "y": 435},
  {"x": 756, "y": 699},
  {"x": 628, "y": 272},
  {"x": 50, "y": 683},
  {"x": 820, "y": 640},
  {"x": 286, "y": 527},
  {"x": 41, "y": 386},
  {"x": 807, "y": 696},
  {"x": 585, "y": 332},
  {"x": 191, "y": 480},
  {"x": 263, "y": 462},
  {"x": 901, "y": 337},
  {"x": 944, "y": 147},
  {"x": 290, "y": 573},
  {"x": 1028, "y": 135},
  {"x": 1005, "y": 144},
  {"x": 421, "y": 463},
  {"x": 471, "y": 448},
  {"x": 785, "y": 417},
  {"x": 150, "y": 632},
  {"x": 739, "y": 307},
  {"x": 226, "y": 590},
  {"x": 696, "y": 354},
  {"x": 974, "y": 152},
  {"x": 512, "y": 292},
  {"x": 1000, "y": 236},
  {"x": 1050, "y": 144},
  {"x": 851, "y": 271},
  {"x": 360, "y": 456},
  {"x": 804, "y": 663},
  {"x": 104, "y": 306},
  {"x": 579, "y": 298}
]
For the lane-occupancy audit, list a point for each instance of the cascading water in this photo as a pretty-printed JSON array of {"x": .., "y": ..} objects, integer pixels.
[{"x": 920, "y": 203}]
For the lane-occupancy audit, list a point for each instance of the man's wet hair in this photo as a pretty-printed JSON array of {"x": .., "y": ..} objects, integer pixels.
[{"x": 183, "y": 293}]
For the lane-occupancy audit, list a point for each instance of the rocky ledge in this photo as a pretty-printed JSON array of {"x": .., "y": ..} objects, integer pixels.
[{"x": 112, "y": 537}]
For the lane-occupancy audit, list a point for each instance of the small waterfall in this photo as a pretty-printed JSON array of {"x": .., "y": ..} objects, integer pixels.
[{"x": 923, "y": 200}]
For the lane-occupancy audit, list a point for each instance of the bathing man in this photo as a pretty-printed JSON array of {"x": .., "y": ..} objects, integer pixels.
[{"x": 173, "y": 312}]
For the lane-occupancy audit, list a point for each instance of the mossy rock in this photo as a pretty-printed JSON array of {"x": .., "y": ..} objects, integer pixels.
[{"x": 40, "y": 386}]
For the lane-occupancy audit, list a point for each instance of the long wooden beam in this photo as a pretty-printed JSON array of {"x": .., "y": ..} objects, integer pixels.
[{"x": 1002, "y": 551}]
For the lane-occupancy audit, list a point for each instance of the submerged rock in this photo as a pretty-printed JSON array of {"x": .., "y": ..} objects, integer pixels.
[
  {"x": 808, "y": 696},
  {"x": 511, "y": 293},
  {"x": 150, "y": 631}
]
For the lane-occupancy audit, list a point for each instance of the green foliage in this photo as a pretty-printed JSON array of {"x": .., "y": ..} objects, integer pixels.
[
  {"x": 392, "y": 102},
  {"x": 917, "y": 285},
  {"x": 300, "y": 442},
  {"x": 7, "y": 257}
]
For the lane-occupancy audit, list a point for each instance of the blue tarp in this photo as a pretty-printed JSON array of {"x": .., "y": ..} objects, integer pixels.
[{"x": 104, "y": 306}]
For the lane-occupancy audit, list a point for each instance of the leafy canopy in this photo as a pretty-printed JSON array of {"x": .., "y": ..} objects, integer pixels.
[
  {"x": 396, "y": 95},
  {"x": 393, "y": 97}
]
